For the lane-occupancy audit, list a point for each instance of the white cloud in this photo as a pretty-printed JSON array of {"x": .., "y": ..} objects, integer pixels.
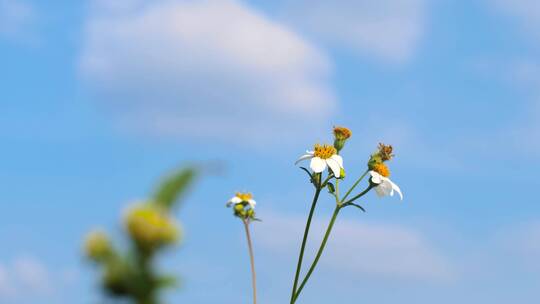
[
  {"x": 15, "y": 17},
  {"x": 377, "y": 250},
  {"x": 31, "y": 274},
  {"x": 211, "y": 69},
  {"x": 526, "y": 12},
  {"x": 388, "y": 29},
  {"x": 25, "y": 276},
  {"x": 5, "y": 285}
]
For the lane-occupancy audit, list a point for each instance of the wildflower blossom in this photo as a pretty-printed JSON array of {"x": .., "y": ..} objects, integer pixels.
[
  {"x": 240, "y": 202},
  {"x": 384, "y": 186},
  {"x": 323, "y": 156},
  {"x": 242, "y": 197}
]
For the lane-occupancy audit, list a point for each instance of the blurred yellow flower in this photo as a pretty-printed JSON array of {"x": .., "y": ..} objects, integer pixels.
[{"x": 150, "y": 226}]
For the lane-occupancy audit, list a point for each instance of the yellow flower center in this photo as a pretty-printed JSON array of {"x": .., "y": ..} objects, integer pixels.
[
  {"x": 382, "y": 169},
  {"x": 244, "y": 196},
  {"x": 324, "y": 151},
  {"x": 342, "y": 133}
]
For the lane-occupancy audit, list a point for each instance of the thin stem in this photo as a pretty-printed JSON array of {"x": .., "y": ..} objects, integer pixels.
[
  {"x": 304, "y": 240},
  {"x": 354, "y": 185},
  {"x": 319, "y": 253},
  {"x": 336, "y": 194},
  {"x": 252, "y": 262}
]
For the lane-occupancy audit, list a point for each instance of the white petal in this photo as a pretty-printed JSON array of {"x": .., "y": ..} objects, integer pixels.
[
  {"x": 305, "y": 156},
  {"x": 386, "y": 187},
  {"x": 338, "y": 159},
  {"x": 317, "y": 165},
  {"x": 334, "y": 166},
  {"x": 375, "y": 177},
  {"x": 252, "y": 203},
  {"x": 380, "y": 191},
  {"x": 396, "y": 188},
  {"x": 235, "y": 200}
]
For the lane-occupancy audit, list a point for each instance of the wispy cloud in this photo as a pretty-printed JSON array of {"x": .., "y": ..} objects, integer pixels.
[
  {"x": 209, "y": 69},
  {"x": 26, "y": 277},
  {"x": 16, "y": 18},
  {"x": 521, "y": 244},
  {"x": 385, "y": 29},
  {"x": 525, "y": 12},
  {"x": 377, "y": 250}
]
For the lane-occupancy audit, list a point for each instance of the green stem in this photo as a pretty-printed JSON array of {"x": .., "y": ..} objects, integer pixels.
[
  {"x": 252, "y": 262},
  {"x": 304, "y": 240},
  {"x": 336, "y": 194},
  {"x": 359, "y": 195},
  {"x": 354, "y": 185},
  {"x": 319, "y": 253}
]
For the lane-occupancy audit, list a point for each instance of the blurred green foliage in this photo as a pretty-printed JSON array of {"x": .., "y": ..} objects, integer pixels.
[{"x": 149, "y": 227}]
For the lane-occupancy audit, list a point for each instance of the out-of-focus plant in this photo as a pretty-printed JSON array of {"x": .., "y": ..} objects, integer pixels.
[
  {"x": 243, "y": 206},
  {"x": 325, "y": 157},
  {"x": 150, "y": 228}
]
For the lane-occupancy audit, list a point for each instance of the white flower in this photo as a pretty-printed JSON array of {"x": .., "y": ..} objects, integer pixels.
[
  {"x": 384, "y": 185},
  {"x": 242, "y": 197},
  {"x": 322, "y": 157}
]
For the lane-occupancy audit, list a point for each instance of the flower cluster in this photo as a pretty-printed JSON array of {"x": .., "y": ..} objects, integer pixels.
[{"x": 324, "y": 157}]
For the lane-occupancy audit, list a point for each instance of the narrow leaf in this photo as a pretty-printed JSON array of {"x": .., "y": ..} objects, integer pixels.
[
  {"x": 357, "y": 206},
  {"x": 174, "y": 187}
]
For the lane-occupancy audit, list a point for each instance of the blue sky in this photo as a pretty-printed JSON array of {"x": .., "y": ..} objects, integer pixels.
[{"x": 98, "y": 100}]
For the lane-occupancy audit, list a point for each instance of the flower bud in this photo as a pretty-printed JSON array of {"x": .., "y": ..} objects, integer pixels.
[
  {"x": 383, "y": 153},
  {"x": 97, "y": 245},
  {"x": 341, "y": 134}
]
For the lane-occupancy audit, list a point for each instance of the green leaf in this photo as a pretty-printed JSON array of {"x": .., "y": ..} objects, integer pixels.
[
  {"x": 355, "y": 205},
  {"x": 307, "y": 171},
  {"x": 174, "y": 187},
  {"x": 331, "y": 188}
]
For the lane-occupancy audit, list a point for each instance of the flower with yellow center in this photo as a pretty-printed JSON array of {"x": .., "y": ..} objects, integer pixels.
[
  {"x": 323, "y": 156},
  {"x": 241, "y": 197},
  {"x": 384, "y": 186},
  {"x": 151, "y": 226}
]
